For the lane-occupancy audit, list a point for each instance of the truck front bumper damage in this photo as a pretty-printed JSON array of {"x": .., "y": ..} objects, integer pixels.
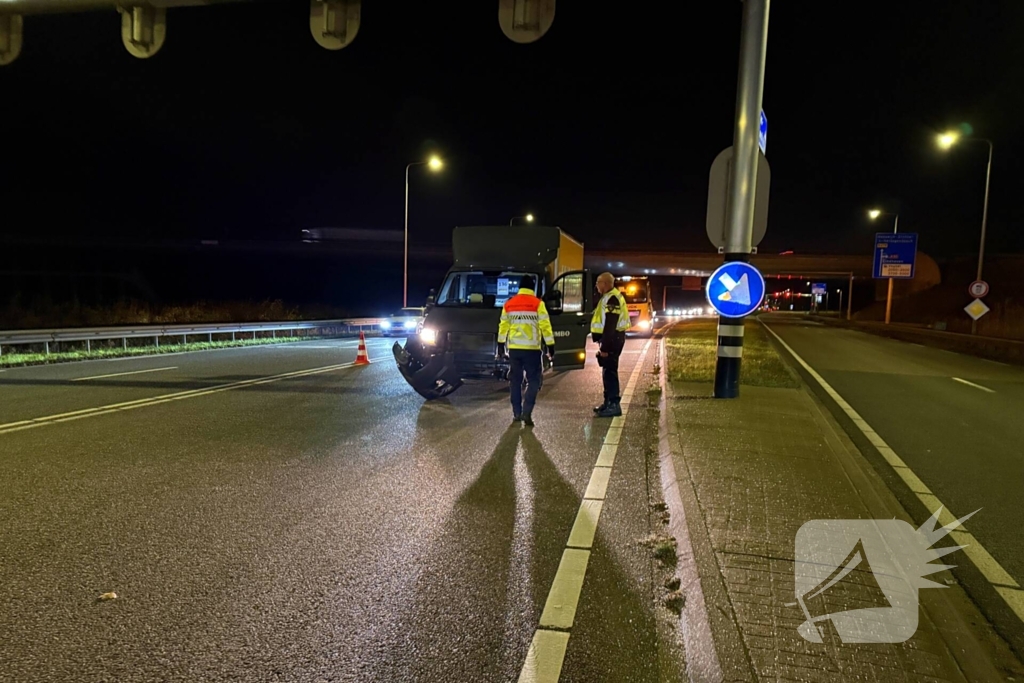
[{"x": 434, "y": 377}]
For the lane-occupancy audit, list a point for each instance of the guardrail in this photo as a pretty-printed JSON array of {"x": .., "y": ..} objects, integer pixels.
[{"x": 329, "y": 328}]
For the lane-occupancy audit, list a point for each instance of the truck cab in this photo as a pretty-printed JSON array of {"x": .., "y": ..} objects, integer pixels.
[{"x": 457, "y": 338}]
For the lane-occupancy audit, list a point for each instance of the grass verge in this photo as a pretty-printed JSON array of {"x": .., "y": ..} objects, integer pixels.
[
  {"x": 692, "y": 352},
  {"x": 8, "y": 359}
]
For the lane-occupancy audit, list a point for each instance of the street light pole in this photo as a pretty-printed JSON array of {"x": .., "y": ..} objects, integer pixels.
[
  {"x": 435, "y": 164},
  {"x": 888, "y": 299},
  {"x": 840, "y": 293},
  {"x": 405, "y": 264},
  {"x": 984, "y": 224},
  {"x": 528, "y": 218}
]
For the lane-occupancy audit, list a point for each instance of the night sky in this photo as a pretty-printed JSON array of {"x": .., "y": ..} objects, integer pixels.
[{"x": 243, "y": 127}]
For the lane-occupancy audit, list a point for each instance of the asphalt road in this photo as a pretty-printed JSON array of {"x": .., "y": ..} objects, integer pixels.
[
  {"x": 956, "y": 420},
  {"x": 276, "y": 514}
]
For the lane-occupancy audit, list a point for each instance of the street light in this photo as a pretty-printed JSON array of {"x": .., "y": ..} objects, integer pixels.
[
  {"x": 873, "y": 214},
  {"x": 435, "y": 164},
  {"x": 528, "y": 218},
  {"x": 946, "y": 141}
]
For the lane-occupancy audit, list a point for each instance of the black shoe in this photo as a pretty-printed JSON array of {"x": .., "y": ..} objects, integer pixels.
[
  {"x": 598, "y": 409},
  {"x": 517, "y": 418},
  {"x": 613, "y": 409},
  {"x": 528, "y": 420}
]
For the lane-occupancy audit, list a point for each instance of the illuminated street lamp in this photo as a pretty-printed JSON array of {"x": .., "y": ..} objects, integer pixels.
[
  {"x": 528, "y": 218},
  {"x": 873, "y": 214},
  {"x": 946, "y": 142},
  {"x": 435, "y": 164}
]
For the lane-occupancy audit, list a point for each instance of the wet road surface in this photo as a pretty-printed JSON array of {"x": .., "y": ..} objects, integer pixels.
[{"x": 275, "y": 514}]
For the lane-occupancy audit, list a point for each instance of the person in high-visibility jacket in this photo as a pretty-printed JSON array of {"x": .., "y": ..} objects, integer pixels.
[
  {"x": 608, "y": 328},
  {"x": 524, "y": 325}
]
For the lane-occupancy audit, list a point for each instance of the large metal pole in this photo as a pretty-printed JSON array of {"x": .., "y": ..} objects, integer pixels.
[
  {"x": 742, "y": 182},
  {"x": 405, "y": 264},
  {"x": 984, "y": 225},
  {"x": 849, "y": 299},
  {"x": 888, "y": 299}
]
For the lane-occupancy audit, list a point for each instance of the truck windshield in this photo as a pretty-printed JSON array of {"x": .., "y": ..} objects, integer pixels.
[
  {"x": 634, "y": 291},
  {"x": 479, "y": 289}
]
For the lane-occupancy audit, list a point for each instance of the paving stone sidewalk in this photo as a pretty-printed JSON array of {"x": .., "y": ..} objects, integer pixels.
[{"x": 750, "y": 472}]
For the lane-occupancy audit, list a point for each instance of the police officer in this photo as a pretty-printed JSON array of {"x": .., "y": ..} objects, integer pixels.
[
  {"x": 524, "y": 324},
  {"x": 608, "y": 328}
]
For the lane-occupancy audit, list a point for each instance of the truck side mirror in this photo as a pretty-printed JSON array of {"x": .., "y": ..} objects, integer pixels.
[
  {"x": 553, "y": 301},
  {"x": 431, "y": 297}
]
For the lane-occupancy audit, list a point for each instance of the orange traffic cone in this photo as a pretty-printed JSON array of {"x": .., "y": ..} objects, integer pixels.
[{"x": 361, "y": 357}]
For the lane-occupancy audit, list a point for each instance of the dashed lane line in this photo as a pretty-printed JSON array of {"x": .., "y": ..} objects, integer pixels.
[
  {"x": 158, "y": 400},
  {"x": 972, "y": 384},
  {"x": 547, "y": 649},
  {"x": 994, "y": 573}
]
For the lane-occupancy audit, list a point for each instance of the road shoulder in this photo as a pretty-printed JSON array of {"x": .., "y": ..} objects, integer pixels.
[{"x": 749, "y": 473}]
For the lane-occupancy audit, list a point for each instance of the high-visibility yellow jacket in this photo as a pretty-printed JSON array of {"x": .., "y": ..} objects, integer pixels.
[
  {"x": 525, "y": 322},
  {"x": 612, "y": 307}
]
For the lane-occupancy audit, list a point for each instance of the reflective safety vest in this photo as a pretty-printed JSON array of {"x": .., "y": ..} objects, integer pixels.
[
  {"x": 524, "y": 322},
  {"x": 611, "y": 302}
]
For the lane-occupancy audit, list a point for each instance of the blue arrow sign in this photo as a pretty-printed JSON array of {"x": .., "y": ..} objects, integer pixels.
[
  {"x": 736, "y": 289},
  {"x": 762, "y": 133}
]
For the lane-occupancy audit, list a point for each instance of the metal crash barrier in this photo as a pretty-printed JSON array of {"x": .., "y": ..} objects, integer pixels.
[{"x": 319, "y": 328}]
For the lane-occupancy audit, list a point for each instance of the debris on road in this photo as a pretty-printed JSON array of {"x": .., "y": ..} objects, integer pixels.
[{"x": 107, "y": 596}]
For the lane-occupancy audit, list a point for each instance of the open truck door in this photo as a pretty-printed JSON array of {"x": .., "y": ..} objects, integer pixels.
[{"x": 570, "y": 301}]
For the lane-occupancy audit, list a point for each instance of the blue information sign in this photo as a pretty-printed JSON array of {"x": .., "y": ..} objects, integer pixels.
[
  {"x": 895, "y": 254},
  {"x": 736, "y": 289},
  {"x": 819, "y": 288},
  {"x": 762, "y": 133}
]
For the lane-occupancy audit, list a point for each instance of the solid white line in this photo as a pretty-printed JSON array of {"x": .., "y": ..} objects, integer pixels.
[
  {"x": 122, "y": 374},
  {"x": 547, "y": 651},
  {"x": 972, "y": 384},
  {"x": 157, "y": 400},
  {"x": 564, "y": 597},
  {"x": 544, "y": 659},
  {"x": 989, "y": 567}
]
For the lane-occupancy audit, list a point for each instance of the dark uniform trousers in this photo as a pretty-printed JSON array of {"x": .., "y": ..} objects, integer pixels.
[{"x": 610, "y": 376}]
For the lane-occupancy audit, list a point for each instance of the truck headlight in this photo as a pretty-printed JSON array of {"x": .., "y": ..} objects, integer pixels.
[
  {"x": 385, "y": 324},
  {"x": 410, "y": 324},
  {"x": 645, "y": 324},
  {"x": 428, "y": 335}
]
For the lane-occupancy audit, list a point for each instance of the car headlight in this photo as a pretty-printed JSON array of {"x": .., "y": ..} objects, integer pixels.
[
  {"x": 428, "y": 335},
  {"x": 385, "y": 325},
  {"x": 410, "y": 324}
]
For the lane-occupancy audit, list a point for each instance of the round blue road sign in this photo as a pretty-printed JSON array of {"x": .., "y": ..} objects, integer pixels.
[{"x": 736, "y": 289}]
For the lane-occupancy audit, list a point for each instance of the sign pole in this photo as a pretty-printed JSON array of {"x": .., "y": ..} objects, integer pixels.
[
  {"x": 742, "y": 182},
  {"x": 849, "y": 299},
  {"x": 888, "y": 299}
]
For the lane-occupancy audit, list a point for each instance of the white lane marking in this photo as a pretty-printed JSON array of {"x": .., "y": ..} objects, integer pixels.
[
  {"x": 545, "y": 657},
  {"x": 122, "y": 374},
  {"x": 598, "y": 485},
  {"x": 157, "y": 400},
  {"x": 972, "y": 384},
  {"x": 547, "y": 650},
  {"x": 989, "y": 567},
  {"x": 560, "y": 608},
  {"x": 585, "y": 526}
]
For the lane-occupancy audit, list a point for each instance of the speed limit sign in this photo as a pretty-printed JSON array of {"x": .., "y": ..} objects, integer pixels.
[{"x": 979, "y": 289}]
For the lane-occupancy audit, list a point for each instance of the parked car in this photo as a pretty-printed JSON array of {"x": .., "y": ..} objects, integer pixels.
[{"x": 401, "y": 323}]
